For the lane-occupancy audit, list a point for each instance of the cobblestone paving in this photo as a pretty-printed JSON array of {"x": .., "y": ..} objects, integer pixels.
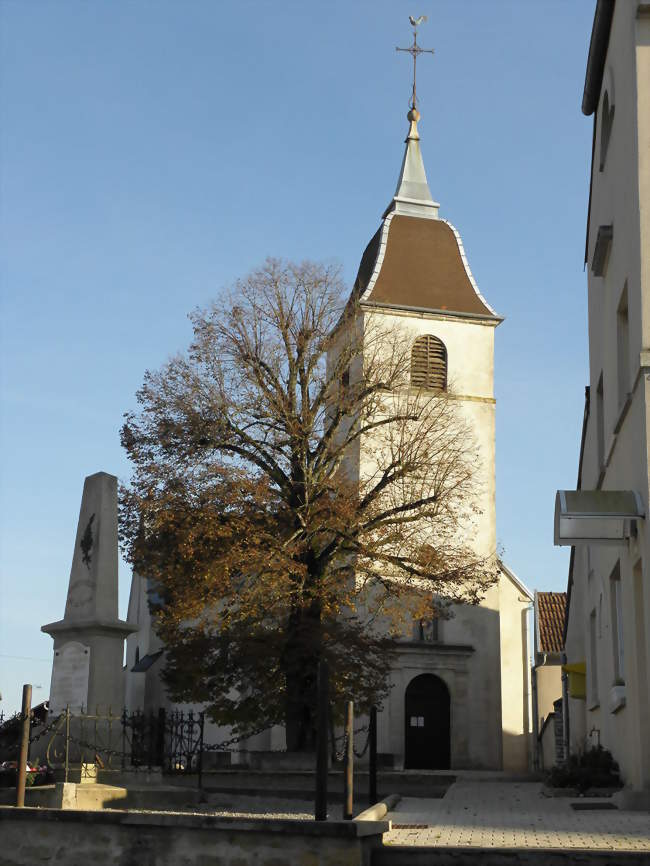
[{"x": 514, "y": 815}]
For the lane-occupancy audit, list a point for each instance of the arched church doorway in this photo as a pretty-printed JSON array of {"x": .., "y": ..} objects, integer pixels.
[{"x": 428, "y": 741}]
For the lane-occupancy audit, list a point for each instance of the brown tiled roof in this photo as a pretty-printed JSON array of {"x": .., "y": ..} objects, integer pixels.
[
  {"x": 551, "y": 607},
  {"x": 422, "y": 267}
]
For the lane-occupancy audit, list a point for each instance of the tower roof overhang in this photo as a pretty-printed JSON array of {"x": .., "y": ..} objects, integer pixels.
[{"x": 419, "y": 264}]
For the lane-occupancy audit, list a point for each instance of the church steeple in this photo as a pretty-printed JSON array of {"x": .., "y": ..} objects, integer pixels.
[
  {"x": 416, "y": 261},
  {"x": 413, "y": 196}
]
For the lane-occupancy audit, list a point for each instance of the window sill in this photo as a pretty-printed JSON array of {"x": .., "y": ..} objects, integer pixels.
[{"x": 616, "y": 698}]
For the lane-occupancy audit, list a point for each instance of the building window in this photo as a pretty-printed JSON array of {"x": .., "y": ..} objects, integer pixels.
[
  {"x": 600, "y": 422},
  {"x": 623, "y": 348},
  {"x": 606, "y": 124},
  {"x": 617, "y": 624},
  {"x": 429, "y": 363},
  {"x": 593, "y": 660},
  {"x": 602, "y": 249}
]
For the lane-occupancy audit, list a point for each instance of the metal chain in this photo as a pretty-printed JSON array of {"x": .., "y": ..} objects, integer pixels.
[
  {"x": 365, "y": 748},
  {"x": 47, "y": 728},
  {"x": 338, "y": 756},
  {"x": 223, "y": 747},
  {"x": 208, "y": 747}
]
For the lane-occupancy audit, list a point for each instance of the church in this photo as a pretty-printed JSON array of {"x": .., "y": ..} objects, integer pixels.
[{"x": 460, "y": 696}]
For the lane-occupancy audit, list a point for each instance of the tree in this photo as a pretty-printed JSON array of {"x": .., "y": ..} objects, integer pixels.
[{"x": 271, "y": 536}]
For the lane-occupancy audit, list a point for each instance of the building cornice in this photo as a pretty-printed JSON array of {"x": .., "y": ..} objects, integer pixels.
[
  {"x": 597, "y": 53},
  {"x": 425, "y": 313}
]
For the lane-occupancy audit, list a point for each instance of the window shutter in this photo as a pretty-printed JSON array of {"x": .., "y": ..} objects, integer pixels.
[{"x": 429, "y": 363}]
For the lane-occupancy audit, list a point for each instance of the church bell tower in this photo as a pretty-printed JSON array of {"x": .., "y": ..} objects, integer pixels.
[{"x": 414, "y": 275}]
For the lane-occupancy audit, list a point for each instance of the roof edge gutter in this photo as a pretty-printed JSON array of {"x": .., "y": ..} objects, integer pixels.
[
  {"x": 482, "y": 317},
  {"x": 597, "y": 53}
]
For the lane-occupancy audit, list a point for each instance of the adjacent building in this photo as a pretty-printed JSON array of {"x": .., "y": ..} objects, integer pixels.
[
  {"x": 607, "y": 639},
  {"x": 546, "y": 678}
]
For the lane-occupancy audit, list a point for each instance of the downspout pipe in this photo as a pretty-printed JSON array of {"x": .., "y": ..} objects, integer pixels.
[
  {"x": 565, "y": 711},
  {"x": 533, "y": 683}
]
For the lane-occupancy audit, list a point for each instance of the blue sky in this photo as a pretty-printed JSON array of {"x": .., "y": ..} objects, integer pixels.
[{"x": 152, "y": 151}]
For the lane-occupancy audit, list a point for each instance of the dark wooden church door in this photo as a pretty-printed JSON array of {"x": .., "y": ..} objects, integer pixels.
[{"x": 427, "y": 708}]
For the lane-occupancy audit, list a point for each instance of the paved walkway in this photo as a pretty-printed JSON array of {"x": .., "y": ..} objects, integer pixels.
[{"x": 514, "y": 815}]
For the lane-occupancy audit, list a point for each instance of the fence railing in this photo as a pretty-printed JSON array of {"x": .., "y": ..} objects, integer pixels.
[{"x": 86, "y": 743}]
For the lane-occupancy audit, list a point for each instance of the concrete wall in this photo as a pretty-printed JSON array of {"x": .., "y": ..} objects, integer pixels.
[
  {"x": 547, "y": 744},
  {"x": 617, "y": 708},
  {"x": 549, "y": 689},
  {"x": 482, "y": 654},
  {"x": 472, "y": 677},
  {"x": 78, "y": 838},
  {"x": 515, "y": 675}
]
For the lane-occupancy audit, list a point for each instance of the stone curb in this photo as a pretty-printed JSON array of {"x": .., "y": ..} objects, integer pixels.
[
  {"x": 399, "y": 855},
  {"x": 380, "y": 809},
  {"x": 290, "y": 826}
]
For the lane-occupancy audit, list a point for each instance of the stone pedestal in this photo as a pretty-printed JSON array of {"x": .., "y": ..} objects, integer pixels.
[{"x": 89, "y": 640}]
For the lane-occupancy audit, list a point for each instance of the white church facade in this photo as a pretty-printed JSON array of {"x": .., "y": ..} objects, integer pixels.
[{"x": 460, "y": 694}]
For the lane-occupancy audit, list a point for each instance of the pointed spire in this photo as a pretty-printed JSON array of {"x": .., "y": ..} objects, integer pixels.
[{"x": 413, "y": 196}]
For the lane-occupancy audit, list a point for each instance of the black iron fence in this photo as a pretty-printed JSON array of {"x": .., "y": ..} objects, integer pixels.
[
  {"x": 168, "y": 741},
  {"x": 84, "y": 744}
]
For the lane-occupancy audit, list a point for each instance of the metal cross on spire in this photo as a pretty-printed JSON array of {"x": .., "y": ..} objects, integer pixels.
[{"x": 414, "y": 50}]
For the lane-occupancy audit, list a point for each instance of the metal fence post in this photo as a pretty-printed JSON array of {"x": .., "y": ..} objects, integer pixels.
[
  {"x": 21, "y": 776},
  {"x": 200, "y": 759},
  {"x": 320, "y": 805},
  {"x": 123, "y": 738},
  {"x": 160, "y": 739},
  {"x": 372, "y": 769},
  {"x": 348, "y": 763}
]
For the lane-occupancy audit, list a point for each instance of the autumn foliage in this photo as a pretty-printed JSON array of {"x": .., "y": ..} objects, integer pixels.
[{"x": 294, "y": 499}]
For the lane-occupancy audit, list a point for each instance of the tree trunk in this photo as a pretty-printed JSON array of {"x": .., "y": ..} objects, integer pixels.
[{"x": 300, "y": 664}]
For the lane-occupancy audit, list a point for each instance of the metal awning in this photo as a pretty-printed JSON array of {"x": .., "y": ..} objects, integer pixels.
[{"x": 596, "y": 516}]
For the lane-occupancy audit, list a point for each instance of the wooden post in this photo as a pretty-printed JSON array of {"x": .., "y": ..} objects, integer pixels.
[
  {"x": 21, "y": 775},
  {"x": 320, "y": 806},
  {"x": 348, "y": 763},
  {"x": 372, "y": 769}
]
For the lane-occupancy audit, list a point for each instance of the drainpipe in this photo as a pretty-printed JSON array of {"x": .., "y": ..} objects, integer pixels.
[
  {"x": 565, "y": 711},
  {"x": 533, "y": 680}
]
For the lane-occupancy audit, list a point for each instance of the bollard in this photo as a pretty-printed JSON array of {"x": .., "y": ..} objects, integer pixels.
[
  {"x": 348, "y": 763},
  {"x": 21, "y": 775}
]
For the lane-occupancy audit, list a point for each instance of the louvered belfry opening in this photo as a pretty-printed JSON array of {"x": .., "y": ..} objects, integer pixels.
[{"x": 429, "y": 363}]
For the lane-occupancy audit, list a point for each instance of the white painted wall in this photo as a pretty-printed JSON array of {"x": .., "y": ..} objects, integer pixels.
[
  {"x": 620, "y": 197},
  {"x": 483, "y": 657}
]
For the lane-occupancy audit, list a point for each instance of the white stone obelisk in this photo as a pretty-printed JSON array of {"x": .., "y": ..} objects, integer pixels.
[{"x": 89, "y": 640}]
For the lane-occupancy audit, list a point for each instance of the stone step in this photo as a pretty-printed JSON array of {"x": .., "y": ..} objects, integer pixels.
[{"x": 300, "y": 783}]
